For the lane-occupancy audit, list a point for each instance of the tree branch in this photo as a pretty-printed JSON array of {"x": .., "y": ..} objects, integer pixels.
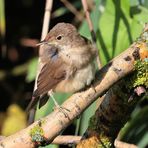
[
  {"x": 46, "y": 129},
  {"x": 120, "y": 144}
]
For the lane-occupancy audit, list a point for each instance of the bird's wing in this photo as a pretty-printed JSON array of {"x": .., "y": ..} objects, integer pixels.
[{"x": 51, "y": 74}]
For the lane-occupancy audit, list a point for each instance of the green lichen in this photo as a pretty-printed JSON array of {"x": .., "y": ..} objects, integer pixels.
[
  {"x": 37, "y": 133},
  {"x": 140, "y": 76},
  {"x": 105, "y": 142}
]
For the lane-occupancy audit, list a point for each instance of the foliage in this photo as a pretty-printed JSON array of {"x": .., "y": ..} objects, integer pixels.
[
  {"x": 136, "y": 130},
  {"x": 119, "y": 25}
]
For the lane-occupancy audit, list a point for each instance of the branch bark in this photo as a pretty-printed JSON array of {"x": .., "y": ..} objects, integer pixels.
[{"x": 46, "y": 129}]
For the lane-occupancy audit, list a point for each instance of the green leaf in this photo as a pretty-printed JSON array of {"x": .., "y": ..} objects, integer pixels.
[
  {"x": 136, "y": 131},
  {"x": 87, "y": 114},
  {"x": 32, "y": 69},
  {"x": 119, "y": 27},
  {"x": 49, "y": 106}
]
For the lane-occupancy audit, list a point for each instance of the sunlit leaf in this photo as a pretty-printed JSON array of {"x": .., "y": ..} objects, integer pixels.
[{"x": 118, "y": 28}]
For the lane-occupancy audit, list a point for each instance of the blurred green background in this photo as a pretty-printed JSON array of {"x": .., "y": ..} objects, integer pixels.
[{"x": 117, "y": 23}]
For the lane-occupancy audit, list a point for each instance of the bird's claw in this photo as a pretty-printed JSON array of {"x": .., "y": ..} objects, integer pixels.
[{"x": 63, "y": 110}]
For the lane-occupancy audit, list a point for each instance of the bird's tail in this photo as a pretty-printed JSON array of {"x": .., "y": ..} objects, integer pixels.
[{"x": 32, "y": 103}]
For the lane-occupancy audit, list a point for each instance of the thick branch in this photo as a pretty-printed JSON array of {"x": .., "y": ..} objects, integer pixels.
[{"x": 52, "y": 125}]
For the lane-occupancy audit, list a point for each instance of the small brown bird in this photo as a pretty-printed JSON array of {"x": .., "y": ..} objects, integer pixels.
[{"x": 68, "y": 62}]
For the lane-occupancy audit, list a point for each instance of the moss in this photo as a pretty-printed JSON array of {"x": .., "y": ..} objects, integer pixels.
[
  {"x": 37, "y": 134},
  {"x": 105, "y": 142},
  {"x": 140, "y": 76},
  {"x": 95, "y": 142}
]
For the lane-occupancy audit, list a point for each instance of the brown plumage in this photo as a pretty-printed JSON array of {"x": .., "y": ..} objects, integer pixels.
[{"x": 67, "y": 60}]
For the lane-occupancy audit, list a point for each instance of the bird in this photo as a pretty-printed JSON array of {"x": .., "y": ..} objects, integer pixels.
[{"x": 68, "y": 63}]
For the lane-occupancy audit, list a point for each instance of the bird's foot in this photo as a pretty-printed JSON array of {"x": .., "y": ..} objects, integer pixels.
[
  {"x": 62, "y": 109},
  {"x": 57, "y": 106},
  {"x": 93, "y": 87}
]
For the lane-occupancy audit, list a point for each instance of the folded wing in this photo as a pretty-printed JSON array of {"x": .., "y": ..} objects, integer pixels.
[{"x": 51, "y": 74}]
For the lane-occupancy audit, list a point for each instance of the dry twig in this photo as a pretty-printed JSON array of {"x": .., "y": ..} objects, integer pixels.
[
  {"x": 120, "y": 144},
  {"x": 47, "y": 15},
  {"x": 90, "y": 24},
  {"x": 73, "y": 9},
  {"x": 66, "y": 140}
]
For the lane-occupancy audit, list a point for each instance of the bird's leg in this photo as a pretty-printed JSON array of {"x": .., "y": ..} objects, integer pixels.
[
  {"x": 52, "y": 97},
  {"x": 57, "y": 105}
]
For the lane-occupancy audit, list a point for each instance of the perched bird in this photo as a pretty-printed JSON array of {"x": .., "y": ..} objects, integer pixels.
[{"x": 68, "y": 62}]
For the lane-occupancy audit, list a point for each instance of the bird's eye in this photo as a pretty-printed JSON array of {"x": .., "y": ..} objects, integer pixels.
[{"x": 59, "y": 37}]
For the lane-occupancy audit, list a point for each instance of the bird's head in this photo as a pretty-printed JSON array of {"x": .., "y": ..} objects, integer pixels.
[{"x": 62, "y": 35}]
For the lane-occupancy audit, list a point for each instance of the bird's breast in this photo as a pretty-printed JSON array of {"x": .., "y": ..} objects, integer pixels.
[{"x": 81, "y": 78}]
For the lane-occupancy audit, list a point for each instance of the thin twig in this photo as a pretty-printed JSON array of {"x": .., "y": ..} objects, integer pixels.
[
  {"x": 47, "y": 16},
  {"x": 66, "y": 140},
  {"x": 90, "y": 24},
  {"x": 120, "y": 144},
  {"x": 46, "y": 22},
  {"x": 73, "y": 9}
]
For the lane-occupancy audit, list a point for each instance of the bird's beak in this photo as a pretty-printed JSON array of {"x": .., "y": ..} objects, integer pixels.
[{"x": 41, "y": 43}]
